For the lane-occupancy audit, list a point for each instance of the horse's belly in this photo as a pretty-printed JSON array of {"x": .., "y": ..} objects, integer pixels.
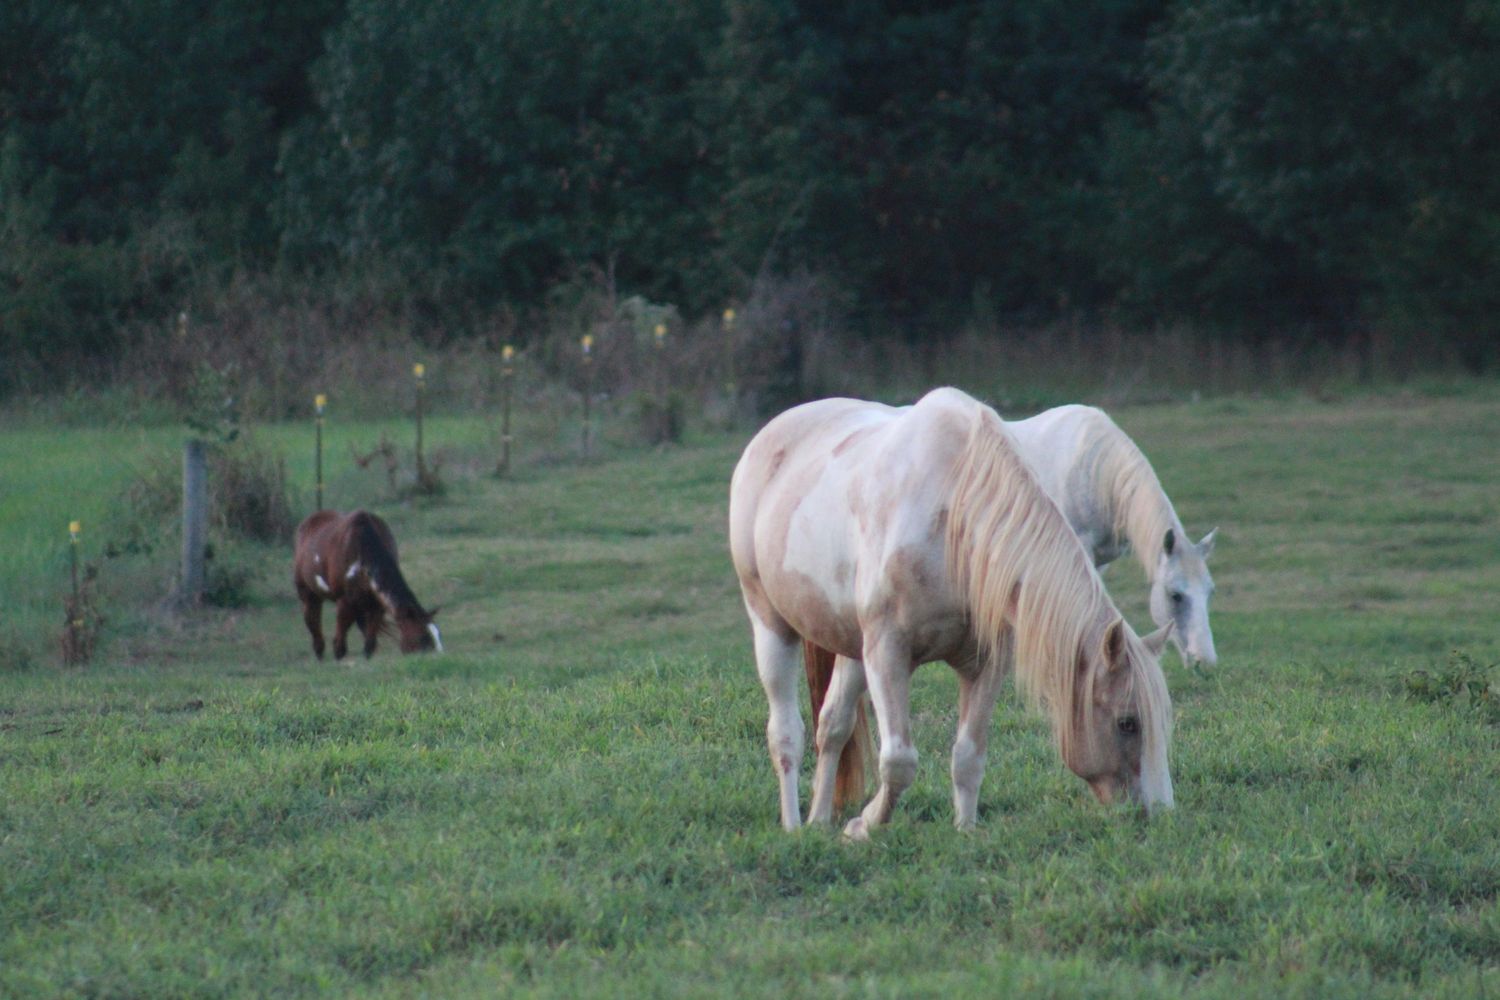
[{"x": 819, "y": 607}]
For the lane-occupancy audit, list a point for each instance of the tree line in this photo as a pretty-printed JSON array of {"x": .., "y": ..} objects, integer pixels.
[{"x": 1252, "y": 167}]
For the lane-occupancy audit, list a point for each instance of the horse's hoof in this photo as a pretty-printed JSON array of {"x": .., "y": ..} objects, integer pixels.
[{"x": 856, "y": 829}]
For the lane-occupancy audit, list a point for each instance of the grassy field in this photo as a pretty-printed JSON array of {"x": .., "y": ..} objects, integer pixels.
[{"x": 575, "y": 800}]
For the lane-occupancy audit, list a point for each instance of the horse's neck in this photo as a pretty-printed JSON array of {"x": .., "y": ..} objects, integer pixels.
[
  {"x": 1129, "y": 507},
  {"x": 1147, "y": 516},
  {"x": 368, "y": 556}
]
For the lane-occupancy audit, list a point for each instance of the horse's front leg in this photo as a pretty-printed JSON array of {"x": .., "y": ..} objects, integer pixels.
[
  {"x": 777, "y": 660},
  {"x": 342, "y": 620},
  {"x": 977, "y": 693},
  {"x": 370, "y": 624},
  {"x": 312, "y": 617},
  {"x": 835, "y": 725},
  {"x": 888, "y": 670}
]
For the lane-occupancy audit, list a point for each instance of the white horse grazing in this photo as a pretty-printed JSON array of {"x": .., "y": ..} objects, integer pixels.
[
  {"x": 1112, "y": 498},
  {"x": 892, "y": 537}
]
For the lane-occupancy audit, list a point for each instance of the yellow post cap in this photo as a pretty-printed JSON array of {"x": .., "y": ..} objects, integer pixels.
[
  {"x": 507, "y": 352},
  {"x": 728, "y": 315},
  {"x": 74, "y": 527},
  {"x": 419, "y": 369},
  {"x": 588, "y": 342},
  {"x": 320, "y": 401}
]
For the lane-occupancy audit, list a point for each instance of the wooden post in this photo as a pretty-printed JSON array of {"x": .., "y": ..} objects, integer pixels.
[
  {"x": 588, "y": 390},
  {"x": 507, "y": 378},
  {"x": 194, "y": 522},
  {"x": 76, "y": 644},
  {"x": 663, "y": 430},
  {"x": 730, "y": 389},
  {"x": 420, "y": 371},
  {"x": 319, "y": 401},
  {"x": 74, "y": 527}
]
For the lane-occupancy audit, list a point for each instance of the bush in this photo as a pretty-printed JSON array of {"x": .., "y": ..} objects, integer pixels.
[
  {"x": 247, "y": 496},
  {"x": 248, "y": 493},
  {"x": 1463, "y": 681}
]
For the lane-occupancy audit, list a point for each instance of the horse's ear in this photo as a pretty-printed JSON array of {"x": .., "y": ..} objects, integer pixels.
[
  {"x": 1157, "y": 641},
  {"x": 1114, "y": 642},
  {"x": 1206, "y": 547},
  {"x": 1169, "y": 542}
]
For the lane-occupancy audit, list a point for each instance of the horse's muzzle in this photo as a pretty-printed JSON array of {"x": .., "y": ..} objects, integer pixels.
[{"x": 1111, "y": 789}]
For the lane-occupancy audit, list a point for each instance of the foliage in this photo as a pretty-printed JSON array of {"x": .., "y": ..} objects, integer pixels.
[
  {"x": 1240, "y": 165},
  {"x": 1464, "y": 681},
  {"x": 82, "y": 620}
]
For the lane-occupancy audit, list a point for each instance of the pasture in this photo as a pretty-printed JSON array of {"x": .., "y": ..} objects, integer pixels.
[{"x": 575, "y": 799}]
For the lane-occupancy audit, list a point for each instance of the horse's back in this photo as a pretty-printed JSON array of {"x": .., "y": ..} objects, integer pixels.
[
  {"x": 328, "y": 542},
  {"x": 315, "y": 524}
]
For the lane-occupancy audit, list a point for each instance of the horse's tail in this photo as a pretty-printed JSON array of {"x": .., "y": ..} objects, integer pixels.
[{"x": 849, "y": 782}]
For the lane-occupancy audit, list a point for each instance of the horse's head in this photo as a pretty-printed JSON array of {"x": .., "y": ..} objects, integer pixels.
[
  {"x": 1123, "y": 715},
  {"x": 1180, "y": 591},
  {"x": 418, "y": 632}
]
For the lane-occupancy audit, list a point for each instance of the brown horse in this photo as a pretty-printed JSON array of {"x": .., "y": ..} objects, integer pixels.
[{"x": 350, "y": 559}]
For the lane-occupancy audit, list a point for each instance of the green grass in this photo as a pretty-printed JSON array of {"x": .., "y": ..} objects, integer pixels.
[{"x": 576, "y": 799}]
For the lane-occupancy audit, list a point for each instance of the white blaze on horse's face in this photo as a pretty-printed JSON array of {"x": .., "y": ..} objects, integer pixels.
[
  {"x": 1121, "y": 756},
  {"x": 1180, "y": 594}
]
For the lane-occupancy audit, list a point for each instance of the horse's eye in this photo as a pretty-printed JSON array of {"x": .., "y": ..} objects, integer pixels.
[
  {"x": 1129, "y": 726},
  {"x": 1176, "y": 597}
]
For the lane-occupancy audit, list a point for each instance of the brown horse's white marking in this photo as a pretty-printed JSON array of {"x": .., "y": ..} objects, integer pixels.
[
  {"x": 359, "y": 554},
  {"x": 891, "y": 537}
]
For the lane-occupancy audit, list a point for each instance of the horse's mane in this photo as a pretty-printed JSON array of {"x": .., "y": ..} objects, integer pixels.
[
  {"x": 368, "y": 547},
  {"x": 1022, "y": 570},
  {"x": 1123, "y": 484}
]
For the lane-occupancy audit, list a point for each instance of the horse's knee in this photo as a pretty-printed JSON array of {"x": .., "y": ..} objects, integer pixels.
[
  {"x": 898, "y": 767},
  {"x": 784, "y": 732}
]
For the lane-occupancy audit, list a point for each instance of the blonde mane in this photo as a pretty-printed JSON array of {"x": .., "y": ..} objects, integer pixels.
[
  {"x": 1123, "y": 484},
  {"x": 1021, "y": 569}
]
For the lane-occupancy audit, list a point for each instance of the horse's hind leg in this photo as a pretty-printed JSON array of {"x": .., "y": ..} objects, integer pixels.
[
  {"x": 835, "y": 725},
  {"x": 977, "y": 693},
  {"x": 778, "y": 662},
  {"x": 888, "y": 672}
]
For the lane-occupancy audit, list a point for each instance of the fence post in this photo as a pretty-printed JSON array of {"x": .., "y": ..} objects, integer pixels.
[
  {"x": 194, "y": 522},
  {"x": 319, "y": 401},
  {"x": 663, "y": 430},
  {"x": 420, "y": 371},
  {"x": 588, "y": 390},
  {"x": 74, "y": 527},
  {"x": 731, "y": 391},
  {"x": 507, "y": 377}
]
